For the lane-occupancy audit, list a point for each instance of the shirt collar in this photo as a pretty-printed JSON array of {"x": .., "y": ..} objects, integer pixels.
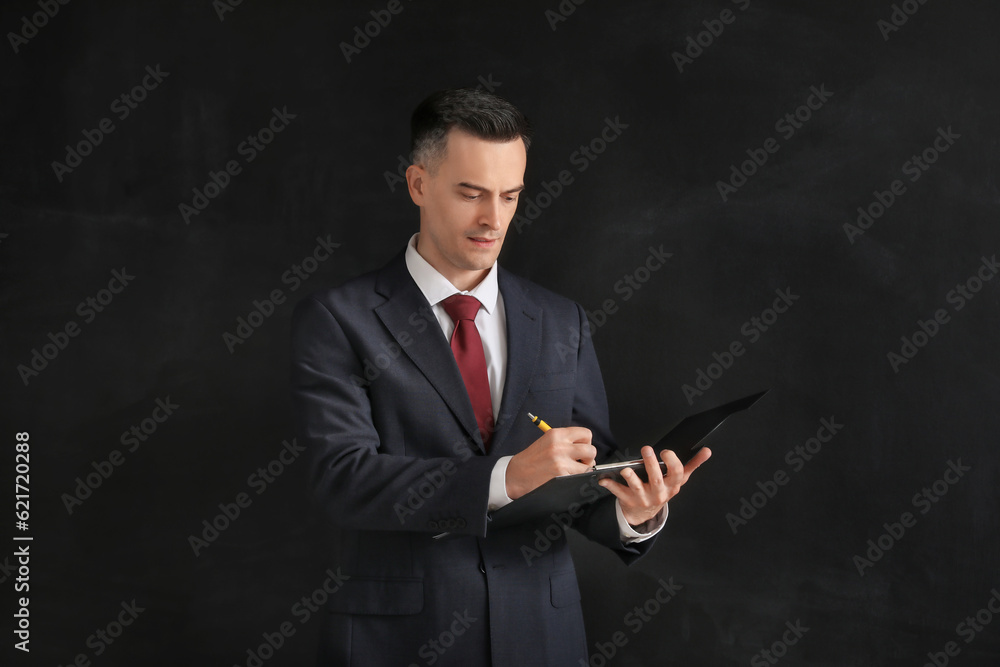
[{"x": 437, "y": 288}]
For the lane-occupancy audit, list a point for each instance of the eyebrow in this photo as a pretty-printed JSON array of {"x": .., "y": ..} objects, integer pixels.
[{"x": 480, "y": 188}]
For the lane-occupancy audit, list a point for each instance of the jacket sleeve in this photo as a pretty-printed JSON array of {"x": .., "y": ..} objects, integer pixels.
[{"x": 358, "y": 484}]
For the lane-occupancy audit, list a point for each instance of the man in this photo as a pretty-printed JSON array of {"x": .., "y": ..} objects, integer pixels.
[{"x": 412, "y": 403}]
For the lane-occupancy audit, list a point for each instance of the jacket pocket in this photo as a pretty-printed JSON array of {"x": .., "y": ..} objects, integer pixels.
[
  {"x": 564, "y": 589},
  {"x": 386, "y": 597}
]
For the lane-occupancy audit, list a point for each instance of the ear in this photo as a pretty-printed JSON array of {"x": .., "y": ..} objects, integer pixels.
[{"x": 416, "y": 183}]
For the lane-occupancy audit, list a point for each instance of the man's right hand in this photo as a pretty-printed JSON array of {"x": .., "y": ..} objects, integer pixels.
[{"x": 561, "y": 451}]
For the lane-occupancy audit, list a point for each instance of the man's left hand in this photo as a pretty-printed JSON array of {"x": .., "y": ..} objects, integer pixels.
[{"x": 641, "y": 501}]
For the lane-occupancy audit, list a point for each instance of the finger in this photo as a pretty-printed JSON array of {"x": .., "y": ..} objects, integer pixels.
[
  {"x": 574, "y": 467},
  {"x": 621, "y": 492},
  {"x": 576, "y": 434},
  {"x": 703, "y": 455},
  {"x": 548, "y": 438},
  {"x": 653, "y": 472},
  {"x": 583, "y": 452},
  {"x": 674, "y": 468},
  {"x": 634, "y": 482}
]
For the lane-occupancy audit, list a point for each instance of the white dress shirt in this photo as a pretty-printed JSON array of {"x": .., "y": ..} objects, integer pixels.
[{"x": 491, "y": 322}]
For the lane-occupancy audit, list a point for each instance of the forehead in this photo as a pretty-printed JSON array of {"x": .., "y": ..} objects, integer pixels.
[{"x": 469, "y": 156}]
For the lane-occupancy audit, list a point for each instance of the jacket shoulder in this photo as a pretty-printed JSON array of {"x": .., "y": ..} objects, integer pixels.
[
  {"x": 362, "y": 292},
  {"x": 357, "y": 291},
  {"x": 533, "y": 292}
]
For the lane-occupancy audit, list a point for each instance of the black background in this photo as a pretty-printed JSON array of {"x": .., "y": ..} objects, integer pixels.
[{"x": 654, "y": 185}]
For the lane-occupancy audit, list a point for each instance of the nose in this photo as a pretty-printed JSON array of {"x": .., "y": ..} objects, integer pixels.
[{"x": 490, "y": 215}]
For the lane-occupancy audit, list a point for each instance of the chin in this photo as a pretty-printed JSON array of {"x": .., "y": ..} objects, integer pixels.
[
  {"x": 481, "y": 258},
  {"x": 479, "y": 263}
]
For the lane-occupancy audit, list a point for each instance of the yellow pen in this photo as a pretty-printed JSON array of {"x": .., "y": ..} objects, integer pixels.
[{"x": 537, "y": 421}]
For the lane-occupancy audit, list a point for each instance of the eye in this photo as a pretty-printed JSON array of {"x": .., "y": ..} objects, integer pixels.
[{"x": 470, "y": 197}]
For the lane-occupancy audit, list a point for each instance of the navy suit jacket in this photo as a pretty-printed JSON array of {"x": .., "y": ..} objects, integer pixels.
[{"x": 397, "y": 458}]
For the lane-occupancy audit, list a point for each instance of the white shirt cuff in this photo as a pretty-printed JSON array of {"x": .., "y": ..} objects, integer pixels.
[
  {"x": 649, "y": 529},
  {"x": 498, "y": 484}
]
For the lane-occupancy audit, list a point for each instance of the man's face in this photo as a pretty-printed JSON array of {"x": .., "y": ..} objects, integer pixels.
[{"x": 467, "y": 205}]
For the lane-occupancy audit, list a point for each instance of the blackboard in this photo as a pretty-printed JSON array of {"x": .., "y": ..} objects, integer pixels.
[{"x": 818, "y": 181}]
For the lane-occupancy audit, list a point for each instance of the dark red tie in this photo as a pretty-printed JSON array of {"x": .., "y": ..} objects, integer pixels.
[{"x": 468, "y": 349}]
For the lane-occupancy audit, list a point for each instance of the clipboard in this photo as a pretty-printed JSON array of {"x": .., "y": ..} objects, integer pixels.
[{"x": 573, "y": 493}]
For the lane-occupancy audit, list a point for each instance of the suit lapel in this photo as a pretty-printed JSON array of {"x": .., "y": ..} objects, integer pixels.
[
  {"x": 405, "y": 307},
  {"x": 402, "y": 314},
  {"x": 524, "y": 339}
]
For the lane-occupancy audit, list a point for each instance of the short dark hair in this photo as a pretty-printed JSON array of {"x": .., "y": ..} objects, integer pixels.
[{"x": 480, "y": 113}]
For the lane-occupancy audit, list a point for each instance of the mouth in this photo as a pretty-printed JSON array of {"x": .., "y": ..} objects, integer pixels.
[{"x": 483, "y": 242}]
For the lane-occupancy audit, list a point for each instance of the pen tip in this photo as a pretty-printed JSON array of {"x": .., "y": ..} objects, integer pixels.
[{"x": 531, "y": 416}]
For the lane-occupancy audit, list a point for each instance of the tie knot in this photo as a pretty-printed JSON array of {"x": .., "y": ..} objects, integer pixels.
[{"x": 461, "y": 307}]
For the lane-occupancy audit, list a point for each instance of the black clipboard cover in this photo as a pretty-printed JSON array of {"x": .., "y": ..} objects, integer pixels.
[{"x": 572, "y": 493}]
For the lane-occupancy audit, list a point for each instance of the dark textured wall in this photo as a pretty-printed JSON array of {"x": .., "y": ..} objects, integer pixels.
[{"x": 747, "y": 159}]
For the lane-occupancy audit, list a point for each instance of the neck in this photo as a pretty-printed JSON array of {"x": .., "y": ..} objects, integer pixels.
[{"x": 464, "y": 280}]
